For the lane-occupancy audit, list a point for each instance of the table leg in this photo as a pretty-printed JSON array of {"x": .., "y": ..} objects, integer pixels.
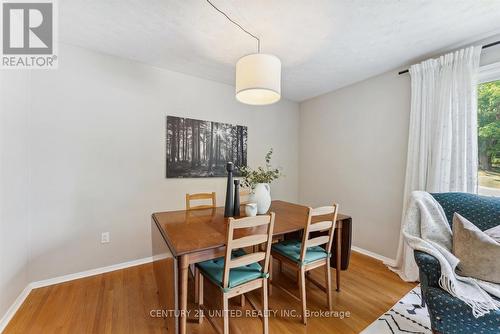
[
  {"x": 338, "y": 256},
  {"x": 184, "y": 268}
]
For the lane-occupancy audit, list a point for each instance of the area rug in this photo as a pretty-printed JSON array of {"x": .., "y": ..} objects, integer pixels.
[{"x": 407, "y": 316}]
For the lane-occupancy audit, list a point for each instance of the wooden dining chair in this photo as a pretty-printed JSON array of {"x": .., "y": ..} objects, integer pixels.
[
  {"x": 244, "y": 196},
  {"x": 238, "y": 272},
  {"x": 200, "y": 196},
  {"x": 308, "y": 254}
]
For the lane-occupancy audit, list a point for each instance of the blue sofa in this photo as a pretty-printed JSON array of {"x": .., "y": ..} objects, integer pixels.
[{"x": 448, "y": 314}]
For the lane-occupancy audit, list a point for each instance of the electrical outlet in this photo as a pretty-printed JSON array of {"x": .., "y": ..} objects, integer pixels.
[{"x": 104, "y": 237}]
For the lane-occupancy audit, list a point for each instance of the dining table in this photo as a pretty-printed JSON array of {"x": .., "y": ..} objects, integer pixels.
[{"x": 182, "y": 238}]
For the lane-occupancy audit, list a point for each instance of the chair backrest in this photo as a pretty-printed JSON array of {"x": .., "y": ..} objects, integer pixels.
[
  {"x": 244, "y": 196},
  {"x": 200, "y": 196},
  {"x": 259, "y": 223},
  {"x": 324, "y": 219}
]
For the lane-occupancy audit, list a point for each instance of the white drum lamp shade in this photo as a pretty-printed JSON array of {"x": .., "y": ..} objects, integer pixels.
[{"x": 258, "y": 79}]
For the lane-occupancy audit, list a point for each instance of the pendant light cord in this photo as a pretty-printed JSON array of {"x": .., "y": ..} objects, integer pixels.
[{"x": 237, "y": 24}]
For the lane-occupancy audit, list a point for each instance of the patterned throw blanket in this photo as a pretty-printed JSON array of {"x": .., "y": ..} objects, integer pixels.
[{"x": 426, "y": 229}]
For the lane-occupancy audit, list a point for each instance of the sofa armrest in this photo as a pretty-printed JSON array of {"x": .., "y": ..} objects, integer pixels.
[{"x": 429, "y": 267}]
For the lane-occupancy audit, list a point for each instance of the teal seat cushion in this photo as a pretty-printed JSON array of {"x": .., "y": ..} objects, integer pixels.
[
  {"x": 214, "y": 270},
  {"x": 291, "y": 249}
]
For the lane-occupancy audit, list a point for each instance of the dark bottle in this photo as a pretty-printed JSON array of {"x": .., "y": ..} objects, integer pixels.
[
  {"x": 228, "y": 208},
  {"x": 236, "y": 203}
]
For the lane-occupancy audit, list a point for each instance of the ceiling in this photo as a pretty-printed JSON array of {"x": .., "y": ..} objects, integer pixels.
[{"x": 323, "y": 44}]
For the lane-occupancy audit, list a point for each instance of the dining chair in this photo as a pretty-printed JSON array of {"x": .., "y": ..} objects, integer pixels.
[
  {"x": 239, "y": 272},
  {"x": 200, "y": 196},
  {"x": 190, "y": 208},
  {"x": 244, "y": 200},
  {"x": 244, "y": 196},
  {"x": 308, "y": 254}
]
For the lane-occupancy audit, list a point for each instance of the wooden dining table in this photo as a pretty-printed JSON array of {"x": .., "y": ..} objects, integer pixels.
[{"x": 182, "y": 238}]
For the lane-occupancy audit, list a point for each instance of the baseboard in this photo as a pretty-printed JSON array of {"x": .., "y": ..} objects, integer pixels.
[
  {"x": 4, "y": 321},
  {"x": 91, "y": 272},
  {"x": 386, "y": 260}
]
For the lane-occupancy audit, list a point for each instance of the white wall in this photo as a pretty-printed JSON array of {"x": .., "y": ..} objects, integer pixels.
[
  {"x": 97, "y": 139},
  {"x": 14, "y": 182},
  {"x": 353, "y": 151},
  {"x": 353, "y": 145}
]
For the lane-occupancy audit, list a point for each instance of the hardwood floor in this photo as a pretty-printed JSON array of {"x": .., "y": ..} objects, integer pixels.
[{"x": 121, "y": 302}]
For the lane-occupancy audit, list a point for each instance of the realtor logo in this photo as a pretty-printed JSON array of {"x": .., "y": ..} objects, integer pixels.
[{"x": 28, "y": 31}]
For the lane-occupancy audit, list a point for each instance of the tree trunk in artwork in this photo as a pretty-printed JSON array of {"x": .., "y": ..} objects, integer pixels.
[
  {"x": 193, "y": 143},
  {"x": 211, "y": 147},
  {"x": 169, "y": 140},
  {"x": 190, "y": 140},
  {"x": 237, "y": 136},
  {"x": 184, "y": 146},
  {"x": 232, "y": 145},
  {"x": 241, "y": 145},
  {"x": 218, "y": 149},
  {"x": 244, "y": 150},
  {"x": 236, "y": 145},
  {"x": 205, "y": 143},
  {"x": 178, "y": 141},
  {"x": 198, "y": 152},
  {"x": 181, "y": 144},
  {"x": 174, "y": 139},
  {"x": 216, "y": 145},
  {"x": 196, "y": 143}
]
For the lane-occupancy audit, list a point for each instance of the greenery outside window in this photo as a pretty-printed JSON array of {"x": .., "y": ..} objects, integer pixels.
[{"x": 489, "y": 130}]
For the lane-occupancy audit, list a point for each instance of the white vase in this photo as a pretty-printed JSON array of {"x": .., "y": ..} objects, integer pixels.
[
  {"x": 251, "y": 210},
  {"x": 261, "y": 195}
]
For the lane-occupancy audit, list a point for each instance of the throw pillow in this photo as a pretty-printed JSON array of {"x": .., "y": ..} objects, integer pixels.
[{"x": 479, "y": 254}]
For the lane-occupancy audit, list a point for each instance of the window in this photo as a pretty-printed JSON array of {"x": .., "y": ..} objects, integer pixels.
[{"x": 489, "y": 130}]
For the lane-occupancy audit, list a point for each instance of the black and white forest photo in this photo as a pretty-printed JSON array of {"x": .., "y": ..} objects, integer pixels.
[{"x": 197, "y": 148}]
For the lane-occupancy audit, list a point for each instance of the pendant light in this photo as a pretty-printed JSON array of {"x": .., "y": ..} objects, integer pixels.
[{"x": 258, "y": 75}]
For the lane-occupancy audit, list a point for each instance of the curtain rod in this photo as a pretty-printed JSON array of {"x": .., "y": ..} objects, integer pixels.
[{"x": 484, "y": 47}]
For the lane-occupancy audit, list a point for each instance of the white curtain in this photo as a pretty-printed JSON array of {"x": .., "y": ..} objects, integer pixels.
[{"x": 442, "y": 143}]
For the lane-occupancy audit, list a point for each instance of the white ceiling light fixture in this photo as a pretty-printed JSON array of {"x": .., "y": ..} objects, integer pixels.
[{"x": 258, "y": 75}]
